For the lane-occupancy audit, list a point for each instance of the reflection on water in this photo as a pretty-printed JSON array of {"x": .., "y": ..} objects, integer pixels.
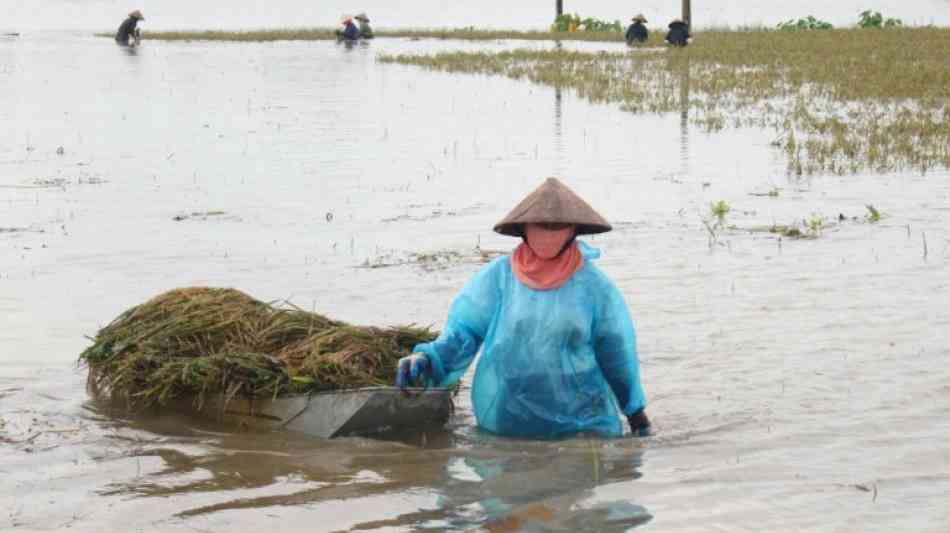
[
  {"x": 684, "y": 118},
  {"x": 475, "y": 479}
]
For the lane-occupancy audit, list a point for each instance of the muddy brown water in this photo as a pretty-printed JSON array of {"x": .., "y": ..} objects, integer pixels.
[{"x": 794, "y": 384}]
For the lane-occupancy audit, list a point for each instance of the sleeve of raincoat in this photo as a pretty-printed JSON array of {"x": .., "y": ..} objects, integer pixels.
[
  {"x": 470, "y": 316},
  {"x": 615, "y": 346},
  {"x": 629, "y": 35}
]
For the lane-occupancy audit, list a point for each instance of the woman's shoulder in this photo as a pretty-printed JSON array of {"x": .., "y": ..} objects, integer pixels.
[
  {"x": 497, "y": 267},
  {"x": 591, "y": 274},
  {"x": 594, "y": 276},
  {"x": 499, "y": 263}
]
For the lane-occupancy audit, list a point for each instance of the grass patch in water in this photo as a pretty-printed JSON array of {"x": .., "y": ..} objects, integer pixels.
[
  {"x": 840, "y": 101},
  {"x": 327, "y": 34},
  {"x": 289, "y": 34}
]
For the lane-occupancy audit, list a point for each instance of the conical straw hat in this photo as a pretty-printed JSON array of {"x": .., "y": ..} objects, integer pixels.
[{"x": 553, "y": 202}]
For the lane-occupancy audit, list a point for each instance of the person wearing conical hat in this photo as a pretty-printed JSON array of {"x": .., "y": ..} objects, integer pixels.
[
  {"x": 558, "y": 347},
  {"x": 678, "y": 34},
  {"x": 349, "y": 32},
  {"x": 637, "y": 32},
  {"x": 366, "y": 32},
  {"x": 128, "y": 33}
]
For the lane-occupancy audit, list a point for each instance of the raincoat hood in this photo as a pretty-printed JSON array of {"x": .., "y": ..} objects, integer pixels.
[
  {"x": 137, "y": 15},
  {"x": 553, "y": 202}
]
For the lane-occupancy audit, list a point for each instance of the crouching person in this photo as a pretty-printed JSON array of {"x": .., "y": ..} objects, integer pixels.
[
  {"x": 128, "y": 33},
  {"x": 678, "y": 34},
  {"x": 637, "y": 32}
]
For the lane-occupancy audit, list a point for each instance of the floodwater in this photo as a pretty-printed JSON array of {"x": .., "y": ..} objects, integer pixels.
[{"x": 794, "y": 384}]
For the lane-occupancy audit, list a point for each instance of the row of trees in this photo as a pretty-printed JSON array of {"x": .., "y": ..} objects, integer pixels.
[{"x": 687, "y": 10}]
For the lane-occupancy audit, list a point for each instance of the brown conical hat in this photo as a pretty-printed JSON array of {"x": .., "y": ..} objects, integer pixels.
[{"x": 553, "y": 202}]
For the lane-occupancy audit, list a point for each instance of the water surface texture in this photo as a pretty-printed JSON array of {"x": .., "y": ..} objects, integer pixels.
[{"x": 794, "y": 384}]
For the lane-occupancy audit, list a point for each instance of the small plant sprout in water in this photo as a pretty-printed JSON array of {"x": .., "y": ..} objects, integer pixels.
[
  {"x": 873, "y": 214},
  {"x": 773, "y": 192},
  {"x": 719, "y": 210},
  {"x": 815, "y": 224}
]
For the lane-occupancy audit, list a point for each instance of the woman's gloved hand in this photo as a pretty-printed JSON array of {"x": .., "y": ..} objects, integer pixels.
[
  {"x": 639, "y": 424},
  {"x": 410, "y": 369}
]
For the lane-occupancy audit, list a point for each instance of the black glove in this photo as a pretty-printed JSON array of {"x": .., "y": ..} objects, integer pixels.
[{"x": 639, "y": 424}]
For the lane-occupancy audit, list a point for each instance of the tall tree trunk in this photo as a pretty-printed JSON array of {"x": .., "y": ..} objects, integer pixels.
[
  {"x": 687, "y": 14},
  {"x": 559, "y": 6}
]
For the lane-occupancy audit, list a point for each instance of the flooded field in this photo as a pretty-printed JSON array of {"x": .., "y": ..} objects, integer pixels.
[{"x": 794, "y": 384}]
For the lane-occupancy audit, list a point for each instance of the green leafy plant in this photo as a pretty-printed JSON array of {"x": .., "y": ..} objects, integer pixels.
[
  {"x": 874, "y": 19},
  {"x": 565, "y": 21},
  {"x": 592, "y": 24},
  {"x": 719, "y": 210},
  {"x": 873, "y": 214},
  {"x": 716, "y": 221},
  {"x": 807, "y": 23}
]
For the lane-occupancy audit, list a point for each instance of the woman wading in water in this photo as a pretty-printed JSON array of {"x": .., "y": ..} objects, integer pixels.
[{"x": 559, "y": 351}]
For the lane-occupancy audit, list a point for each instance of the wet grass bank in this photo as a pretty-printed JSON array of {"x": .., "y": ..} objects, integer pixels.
[{"x": 839, "y": 101}]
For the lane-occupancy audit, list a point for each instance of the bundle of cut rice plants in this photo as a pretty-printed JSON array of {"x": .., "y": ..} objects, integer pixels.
[{"x": 199, "y": 341}]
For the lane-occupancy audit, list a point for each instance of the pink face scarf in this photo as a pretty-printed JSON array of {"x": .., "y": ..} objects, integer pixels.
[{"x": 537, "y": 263}]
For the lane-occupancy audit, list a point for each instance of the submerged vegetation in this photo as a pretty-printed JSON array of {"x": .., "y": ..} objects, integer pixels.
[
  {"x": 200, "y": 341},
  {"x": 289, "y": 34},
  {"x": 327, "y": 34},
  {"x": 840, "y": 101}
]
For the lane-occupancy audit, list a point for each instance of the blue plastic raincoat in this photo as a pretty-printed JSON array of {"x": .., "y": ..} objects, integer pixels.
[{"x": 553, "y": 362}]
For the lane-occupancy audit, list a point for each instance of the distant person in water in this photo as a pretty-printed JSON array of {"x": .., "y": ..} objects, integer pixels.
[
  {"x": 678, "y": 34},
  {"x": 349, "y": 32},
  {"x": 637, "y": 32},
  {"x": 128, "y": 34},
  {"x": 366, "y": 32}
]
